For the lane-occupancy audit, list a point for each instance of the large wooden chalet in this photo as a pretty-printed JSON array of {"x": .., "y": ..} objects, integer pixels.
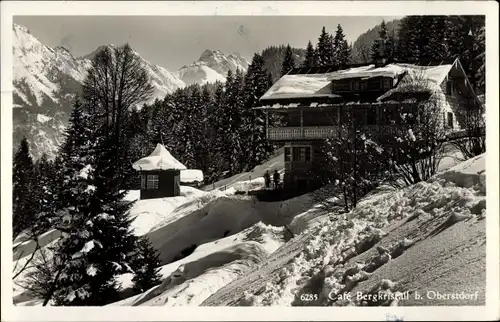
[{"x": 313, "y": 101}]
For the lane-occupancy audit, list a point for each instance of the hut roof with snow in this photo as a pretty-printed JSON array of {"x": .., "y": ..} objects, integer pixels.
[{"x": 159, "y": 159}]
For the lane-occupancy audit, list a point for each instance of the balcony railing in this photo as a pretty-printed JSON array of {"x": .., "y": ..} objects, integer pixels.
[{"x": 321, "y": 132}]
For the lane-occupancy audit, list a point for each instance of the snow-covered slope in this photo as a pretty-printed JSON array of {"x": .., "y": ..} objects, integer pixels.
[
  {"x": 394, "y": 244},
  {"x": 212, "y": 66},
  {"x": 46, "y": 81}
]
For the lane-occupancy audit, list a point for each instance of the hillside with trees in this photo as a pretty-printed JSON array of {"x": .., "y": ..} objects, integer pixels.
[
  {"x": 273, "y": 59},
  {"x": 362, "y": 46}
]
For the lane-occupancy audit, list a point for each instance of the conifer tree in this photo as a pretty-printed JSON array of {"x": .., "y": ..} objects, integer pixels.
[
  {"x": 288, "y": 61},
  {"x": 310, "y": 57},
  {"x": 97, "y": 240},
  {"x": 324, "y": 49},
  {"x": 45, "y": 177},
  {"x": 256, "y": 84},
  {"x": 218, "y": 120},
  {"x": 437, "y": 47},
  {"x": 23, "y": 190},
  {"x": 481, "y": 61},
  {"x": 146, "y": 266},
  {"x": 341, "y": 53}
]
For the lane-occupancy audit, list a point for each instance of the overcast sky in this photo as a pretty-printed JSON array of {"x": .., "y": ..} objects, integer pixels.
[{"x": 174, "y": 41}]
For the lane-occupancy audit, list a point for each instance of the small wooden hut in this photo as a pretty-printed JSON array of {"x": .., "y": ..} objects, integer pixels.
[{"x": 160, "y": 174}]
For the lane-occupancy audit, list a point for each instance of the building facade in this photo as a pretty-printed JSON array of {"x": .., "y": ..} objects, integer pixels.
[{"x": 314, "y": 103}]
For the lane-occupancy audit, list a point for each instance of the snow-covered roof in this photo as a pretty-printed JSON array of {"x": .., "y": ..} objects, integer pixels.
[
  {"x": 160, "y": 159},
  {"x": 320, "y": 85},
  {"x": 191, "y": 175},
  {"x": 290, "y": 86}
]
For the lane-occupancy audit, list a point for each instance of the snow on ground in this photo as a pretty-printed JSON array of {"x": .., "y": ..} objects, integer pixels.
[
  {"x": 24, "y": 266},
  {"x": 427, "y": 237},
  {"x": 191, "y": 175},
  {"x": 219, "y": 216},
  {"x": 42, "y": 118},
  {"x": 150, "y": 213}
]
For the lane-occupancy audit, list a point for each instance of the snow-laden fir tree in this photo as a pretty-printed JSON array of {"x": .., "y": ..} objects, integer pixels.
[
  {"x": 97, "y": 240},
  {"x": 256, "y": 84},
  {"x": 205, "y": 133},
  {"x": 145, "y": 265},
  {"x": 23, "y": 190},
  {"x": 234, "y": 102},
  {"x": 324, "y": 49},
  {"x": 288, "y": 61},
  {"x": 45, "y": 177},
  {"x": 217, "y": 121},
  {"x": 309, "y": 60}
]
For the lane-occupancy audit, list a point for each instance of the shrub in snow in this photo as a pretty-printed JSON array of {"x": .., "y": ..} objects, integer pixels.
[
  {"x": 353, "y": 160},
  {"x": 413, "y": 154}
]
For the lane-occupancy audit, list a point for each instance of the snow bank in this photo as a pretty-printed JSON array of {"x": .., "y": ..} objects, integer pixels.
[
  {"x": 212, "y": 265},
  {"x": 191, "y": 175},
  {"x": 468, "y": 174},
  {"x": 153, "y": 213},
  {"x": 218, "y": 215},
  {"x": 159, "y": 159}
]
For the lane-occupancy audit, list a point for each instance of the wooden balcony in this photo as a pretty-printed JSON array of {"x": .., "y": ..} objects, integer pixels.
[
  {"x": 301, "y": 133},
  {"x": 321, "y": 132}
]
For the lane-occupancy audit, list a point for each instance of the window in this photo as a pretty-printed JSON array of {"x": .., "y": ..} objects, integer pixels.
[
  {"x": 143, "y": 181},
  {"x": 307, "y": 153},
  {"x": 301, "y": 154},
  {"x": 287, "y": 154},
  {"x": 450, "y": 120},
  {"x": 296, "y": 154},
  {"x": 387, "y": 83},
  {"x": 152, "y": 181},
  {"x": 355, "y": 85}
]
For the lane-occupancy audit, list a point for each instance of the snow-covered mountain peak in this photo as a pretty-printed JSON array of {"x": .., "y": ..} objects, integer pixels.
[
  {"x": 46, "y": 81},
  {"x": 212, "y": 66},
  {"x": 221, "y": 63}
]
